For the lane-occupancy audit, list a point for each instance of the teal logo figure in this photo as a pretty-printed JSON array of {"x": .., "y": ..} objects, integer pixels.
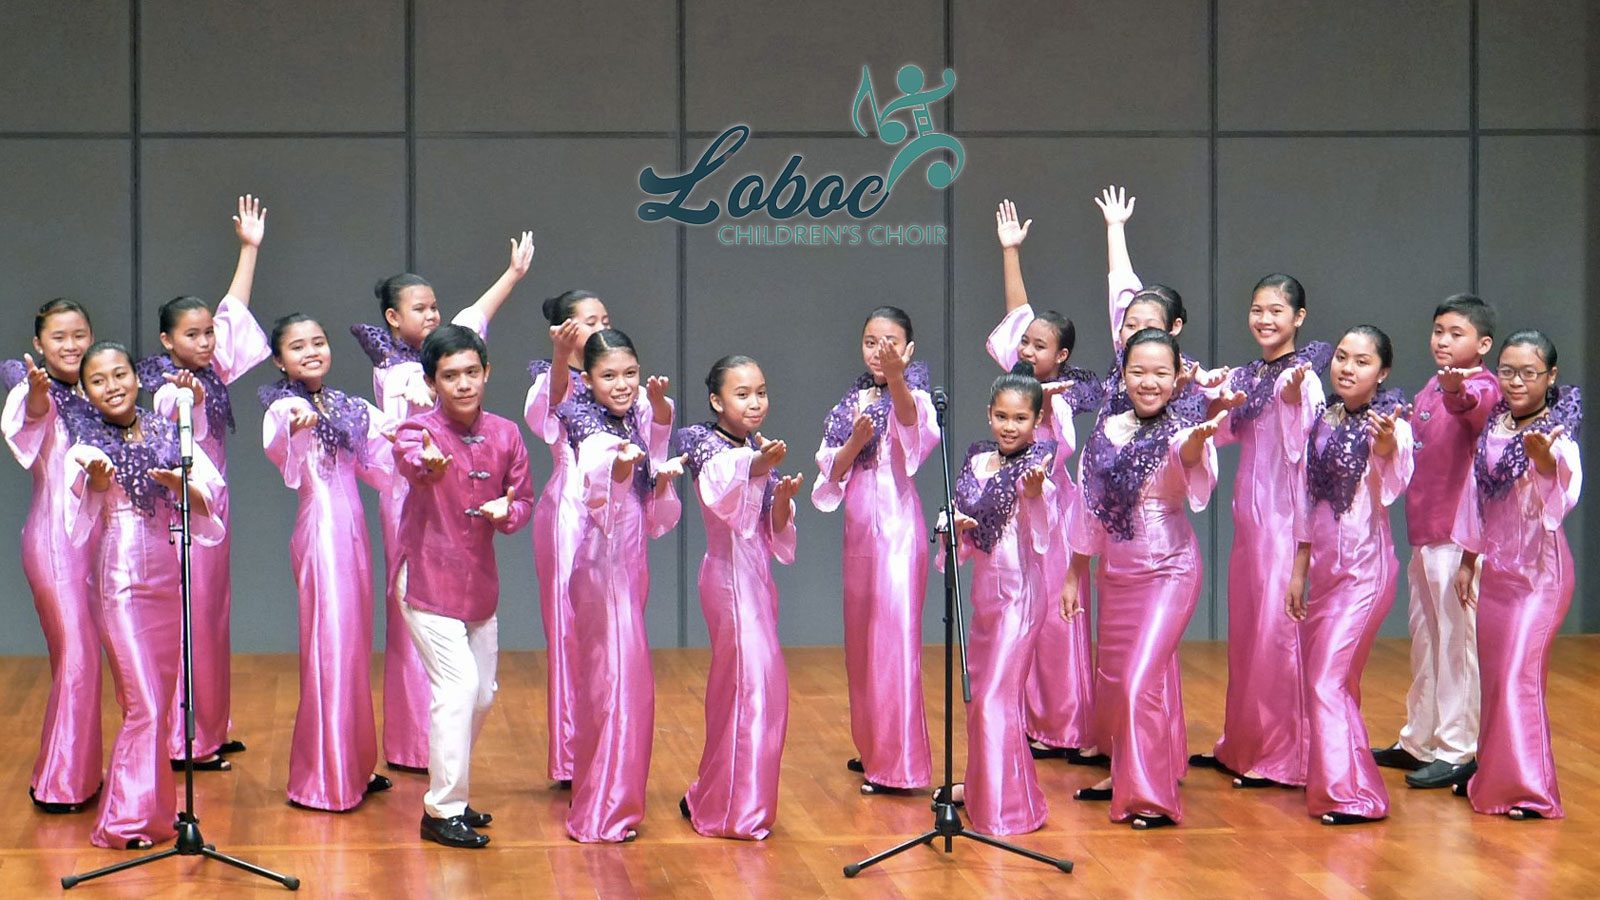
[{"x": 916, "y": 97}]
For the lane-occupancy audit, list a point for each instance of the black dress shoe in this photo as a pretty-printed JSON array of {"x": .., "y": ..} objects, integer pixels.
[
  {"x": 1039, "y": 750},
  {"x": 1206, "y": 761},
  {"x": 476, "y": 819},
  {"x": 1521, "y": 813},
  {"x": 377, "y": 784},
  {"x": 61, "y": 809},
  {"x": 214, "y": 763},
  {"x": 1338, "y": 818},
  {"x": 1439, "y": 773},
  {"x": 1245, "y": 781},
  {"x": 854, "y": 765},
  {"x": 414, "y": 770},
  {"x": 1459, "y": 789},
  {"x": 683, "y": 806},
  {"x": 1396, "y": 757},
  {"x": 452, "y": 832},
  {"x": 1077, "y": 757},
  {"x": 1092, "y": 794},
  {"x": 1145, "y": 823},
  {"x": 231, "y": 747}
]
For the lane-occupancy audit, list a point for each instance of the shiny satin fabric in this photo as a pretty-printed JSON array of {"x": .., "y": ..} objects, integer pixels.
[
  {"x": 134, "y": 579},
  {"x": 735, "y": 794},
  {"x": 614, "y": 719},
  {"x": 1264, "y": 723},
  {"x": 241, "y": 345},
  {"x": 1525, "y": 592},
  {"x": 1060, "y": 690},
  {"x": 885, "y": 577},
  {"x": 67, "y": 768},
  {"x": 334, "y": 748},
  {"x": 1147, "y": 591},
  {"x": 1349, "y": 589}
]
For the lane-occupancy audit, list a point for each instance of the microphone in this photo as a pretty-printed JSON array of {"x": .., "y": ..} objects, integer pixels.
[
  {"x": 186, "y": 426},
  {"x": 941, "y": 400}
]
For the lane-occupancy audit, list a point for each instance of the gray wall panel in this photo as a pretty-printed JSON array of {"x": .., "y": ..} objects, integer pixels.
[
  {"x": 1536, "y": 64},
  {"x": 66, "y": 66}
]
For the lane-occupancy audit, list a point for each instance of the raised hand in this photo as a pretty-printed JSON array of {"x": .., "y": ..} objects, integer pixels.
[
  {"x": 1380, "y": 427},
  {"x": 656, "y": 390},
  {"x": 1053, "y": 388},
  {"x": 306, "y": 417},
  {"x": 1450, "y": 378},
  {"x": 769, "y": 457},
  {"x": 1115, "y": 205},
  {"x": 250, "y": 224},
  {"x": 1005, "y": 222},
  {"x": 1033, "y": 482},
  {"x": 38, "y": 377},
  {"x": 1194, "y": 444},
  {"x": 1538, "y": 445},
  {"x": 1227, "y": 399},
  {"x": 499, "y": 509},
  {"x": 185, "y": 379},
  {"x": 433, "y": 459},
  {"x": 566, "y": 338},
  {"x": 419, "y": 396},
  {"x": 521, "y": 255},
  {"x": 1210, "y": 378},
  {"x": 100, "y": 472}
]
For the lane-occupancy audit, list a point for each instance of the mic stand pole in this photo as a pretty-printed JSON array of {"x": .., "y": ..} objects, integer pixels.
[{"x": 946, "y": 817}]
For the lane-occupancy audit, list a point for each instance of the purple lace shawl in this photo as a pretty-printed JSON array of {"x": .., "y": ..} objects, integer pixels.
[
  {"x": 342, "y": 420},
  {"x": 703, "y": 441},
  {"x": 583, "y": 416},
  {"x": 842, "y": 418},
  {"x": 219, "y": 406},
  {"x": 1334, "y": 472},
  {"x": 1565, "y": 409},
  {"x": 1189, "y": 404},
  {"x": 992, "y": 503},
  {"x": 132, "y": 461},
  {"x": 1114, "y": 479},
  {"x": 1258, "y": 379},
  {"x": 1084, "y": 388},
  {"x": 542, "y": 367},
  {"x": 12, "y": 373},
  {"x": 70, "y": 405},
  {"x": 382, "y": 347}
]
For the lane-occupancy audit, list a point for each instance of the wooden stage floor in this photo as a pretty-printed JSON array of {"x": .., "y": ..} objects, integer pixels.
[{"x": 1234, "y": 843}]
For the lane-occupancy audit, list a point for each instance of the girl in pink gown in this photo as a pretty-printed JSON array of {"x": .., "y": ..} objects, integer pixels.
[
  {"x": 1060, "y": 694},
  {"x": 42, "y": 392},
  {"x": 748, "y": 510},
  {"x": 1006, "y": 518},
  {"x": 1526, "y": 476},
  {"x": 1358, "y": 462},
  {"x": 873, "y": 441},
  {"x": 322, "y": 440},
  {"x": 557, "y": 517},
  {"x": 628, "y": 499},
  {"x": 1264, "y": 738},
  {"x": 410, "y": 313},
  {"x": 1137, "y": 470},
  {"x": 218, "y": 348},
  {"x": 122, "y": 476}
]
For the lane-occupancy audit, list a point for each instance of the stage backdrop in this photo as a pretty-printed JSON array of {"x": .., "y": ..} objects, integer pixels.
[{"x": 1386, "y": 153}]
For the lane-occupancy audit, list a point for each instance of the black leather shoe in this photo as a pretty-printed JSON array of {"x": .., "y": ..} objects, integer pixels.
[
  {"x": 1338, "y": 818},
  {"x": 1396, "y": 757},
  {"x": 414, "y": 770},
  {"x": 1077, "y": 757},
  {"x": 854, "y": 765},
  {"x": 452, "y": 832},
  {"x": 476, "y": 819},
  {"x": 231, "y": 747},
  {"x": 1206, "y": 761},
  {"x": 377, "y": 784},
  {"x": 1092, "y": 794},
  {"x": 1439, "y": 773},
  {"x": 683, "y": 807},
  {"x": 60, "y": 809}
]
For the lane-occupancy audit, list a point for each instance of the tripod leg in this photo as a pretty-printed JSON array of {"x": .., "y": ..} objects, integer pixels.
[
  {"x": 1064, "y": 865},
  {"x": 68, "y": 881},
  {"x": 851, "y": 870},
  {"x": 288, "y": 881}
]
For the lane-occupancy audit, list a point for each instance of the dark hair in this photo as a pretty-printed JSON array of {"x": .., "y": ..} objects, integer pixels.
[
  {"x": 894, "y": 314},
  {"x": 1287, "y": 285},
  {"x": 388, "y": 289},
  {"x": 1472, "y": 308},
  {"x": 173, "y": 310},
  {"x": 1379, "y": 339},
  {"x": 447, "y": 340},
  {"x": 1153, "y": 336},
  {"x": 1066, "y": 332},
  {"x": 283, "y": 324},
  {"x": 99, "y": 347},
  {"x": 54, "y": 307},
  {"x": 559, "y": 308},
  {"x": 1168, "y": 298},
  {"x": 1021, "y": 382},
  {"x": 1536, "y": 339},
  {"x": 602, "y": 342},
  {"x": 719, "y": 371}
]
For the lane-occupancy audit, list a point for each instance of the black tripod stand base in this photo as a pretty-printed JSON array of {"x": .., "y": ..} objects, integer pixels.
[
  {"x": 189, "y": 843},
  {"x": 947, "y": 825}
]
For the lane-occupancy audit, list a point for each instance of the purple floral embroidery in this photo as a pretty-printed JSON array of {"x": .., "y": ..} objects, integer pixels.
[
  {"x": 1189, "y": 403},
  {"x": 382, "y": 347},
  {"x": 1494, "y": 482},
  {"x": 583, "y": 416},
  {"x": 133, "y": 460},
  {"x": 152, "y": 371},
  {"x": 12, "y": 373},
  {"x": 342, "y": 420},
  {"x": 1084, "y": 388},
  {"x": 992, "y": 503},
  {"x": 1258, "y": 380},
  {"x": 703, "y": 441},
  {"x": 842, "y": 419},
  {"x": 541, "y": 367},
  {"x": 1114, "y": 478},
  {"x": 70, "y": 405},
  {"x": 1337, "y": 461}
]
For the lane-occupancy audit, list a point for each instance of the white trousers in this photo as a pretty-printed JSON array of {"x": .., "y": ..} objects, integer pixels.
[
  {"x": 460, "y": 658},
  {"x": 1442, "y": 705}
]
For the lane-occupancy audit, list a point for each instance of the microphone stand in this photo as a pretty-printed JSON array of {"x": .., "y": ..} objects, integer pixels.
[
  {"x": 189, "y": 841},
  {"x": 946, "y": 817}
]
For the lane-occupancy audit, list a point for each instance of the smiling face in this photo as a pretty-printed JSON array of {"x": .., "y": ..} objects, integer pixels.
[
  {"x": 192, "y": 340},
  {"x": 1142, "y": 314},
  {"x": 741, "y": 404},
  {"x": 1012, "y": 420},
  {"x": 1524, "y": 394},
  {"x": 1150, "y": 373},
  {"x": 458, "y": 381},
  {"x": 1357, "y": 370},
  {"x": 1456, "y": 342},
  {"x": 111, "y": 386},
  {"x": 1273, "y": 321},
  {"x": 878, "y": 333},
  {"x": 1041, "y": 348},
  {"x": 61, "y": 344},
  {"x": 614, "y": 380},
  {"x": 415, "y": 316},
  {"x": 303, "y": 354}
]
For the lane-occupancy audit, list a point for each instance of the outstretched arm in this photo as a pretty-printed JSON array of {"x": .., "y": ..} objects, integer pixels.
[
  {"x": 521, "y": 260},
  {"x": 1011, "y": 237}
]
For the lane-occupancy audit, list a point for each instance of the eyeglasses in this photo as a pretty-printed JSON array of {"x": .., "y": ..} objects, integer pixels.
[{"x": 1525, "y": 374}]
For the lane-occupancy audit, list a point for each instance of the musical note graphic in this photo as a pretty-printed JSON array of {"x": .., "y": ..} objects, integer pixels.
[{"x": 915, "y": 98}]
